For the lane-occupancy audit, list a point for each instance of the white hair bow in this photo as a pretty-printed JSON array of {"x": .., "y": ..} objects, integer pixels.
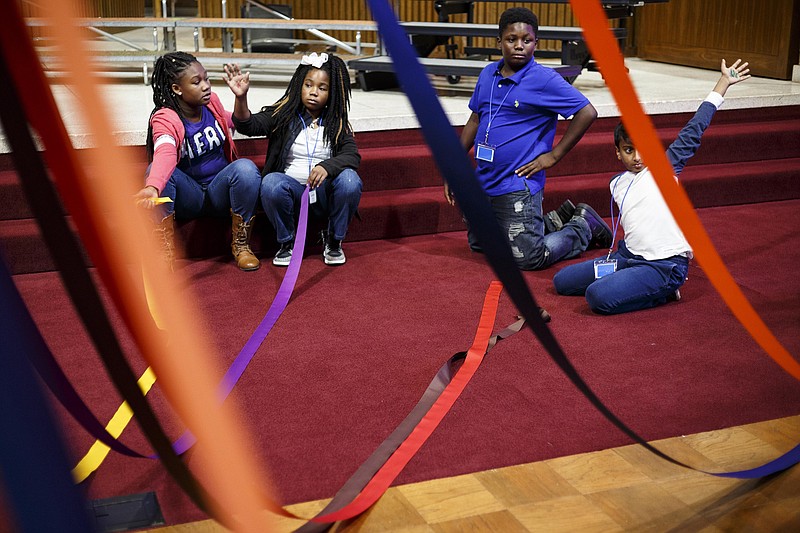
[{"x": 315, "y": 60}]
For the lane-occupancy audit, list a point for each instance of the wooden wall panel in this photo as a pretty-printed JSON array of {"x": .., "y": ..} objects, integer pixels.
[
  {"x": 90, "y": 8},
  {"x": 115, "y": 8},
  {"x": 691, "y": 33},
  {"x": 212, "y": 37},
  {"x": 548, "y": 15},
  {"x": 86, "y": 8}
]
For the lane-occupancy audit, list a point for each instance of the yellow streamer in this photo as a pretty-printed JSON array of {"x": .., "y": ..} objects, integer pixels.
[{"x": 98, "y": 452}]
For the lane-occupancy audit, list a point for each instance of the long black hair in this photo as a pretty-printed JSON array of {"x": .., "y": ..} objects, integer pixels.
[
  {"x": 167, "y": 71},
  {"x": 336, "y": 110}
]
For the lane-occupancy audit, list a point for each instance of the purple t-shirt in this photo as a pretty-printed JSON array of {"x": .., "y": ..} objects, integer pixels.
[
  {"x": 201, "y": 154},
  {"x": 524, "y": 113}
]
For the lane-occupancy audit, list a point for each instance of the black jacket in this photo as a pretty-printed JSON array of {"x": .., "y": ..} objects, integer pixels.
[{"x": 343, "y": 155}]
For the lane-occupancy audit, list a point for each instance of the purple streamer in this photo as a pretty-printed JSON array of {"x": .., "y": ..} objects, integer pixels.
[{"x": 279, "y": 303}]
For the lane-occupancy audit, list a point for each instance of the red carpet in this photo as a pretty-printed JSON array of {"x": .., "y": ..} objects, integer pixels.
[
  {"x": 403, "y": 194},
  {"x": 358, "y": 344}
]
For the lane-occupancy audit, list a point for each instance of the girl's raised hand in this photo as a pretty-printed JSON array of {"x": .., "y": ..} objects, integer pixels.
[{"x": 238, "y": 81}]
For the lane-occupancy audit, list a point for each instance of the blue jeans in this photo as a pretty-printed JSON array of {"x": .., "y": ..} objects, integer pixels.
[
  {"x": 520, "y": 217},
  {"x": 637, "y": 283},
  {"x": 337, "y": 199},
  {"x": 235, "y": 188}
]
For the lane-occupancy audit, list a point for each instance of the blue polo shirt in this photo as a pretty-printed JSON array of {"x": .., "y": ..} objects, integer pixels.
[{"x": 524, "y": 114}]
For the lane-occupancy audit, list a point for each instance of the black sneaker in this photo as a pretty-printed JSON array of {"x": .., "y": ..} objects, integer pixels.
[
  {"x": 333, "y": 254},
  {"x": 601, "y": 233},
  {"x": 555, "y": 220},
  {"x": 552, "y": 223},
  {"x": 284, "y": 255}
]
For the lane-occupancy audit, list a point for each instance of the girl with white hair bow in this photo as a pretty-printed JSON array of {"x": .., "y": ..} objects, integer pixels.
[{"x": 310, "y": 143}]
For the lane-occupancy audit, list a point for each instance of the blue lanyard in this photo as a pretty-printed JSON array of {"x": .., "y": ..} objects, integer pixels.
[
  {"x": 616, "y": 222},
  {"x": 309, "y": 152},
  {"x": 491, "y": 116}
]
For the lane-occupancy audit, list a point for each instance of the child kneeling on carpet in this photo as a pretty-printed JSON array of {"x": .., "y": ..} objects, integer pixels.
[
  {"x": 651, "y": 263},
  {"x": 512, "y": 128},
  {"x": 193, "y": 158},
  {"x": 310, "y": 142}
]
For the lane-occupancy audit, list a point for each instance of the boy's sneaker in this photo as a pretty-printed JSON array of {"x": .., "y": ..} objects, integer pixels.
[
  {"x": 555, "y": 220},
  {"x": 552, "y": 222},
  {"x": 333, "y": 254},
  {"x": 284, "y": 255},
  {"x": 601, "y": 233}
]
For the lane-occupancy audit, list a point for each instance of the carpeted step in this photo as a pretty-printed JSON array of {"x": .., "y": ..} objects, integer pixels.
[
  {"x": 401, "y": 160},
  {"x": 392, "y": 168},
  {"x": 706, "y": 185},
  {"x": 743, "y": 183},
  {"x": 399, "y": 213},
  {"x": 406, "y": 212},
  {"x": 23, "y": 248},
  {"x": 744, "y": 159},
  {"x": 12, "y": 200}
]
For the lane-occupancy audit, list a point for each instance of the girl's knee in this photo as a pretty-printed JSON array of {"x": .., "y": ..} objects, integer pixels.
[
  {"x": 246, "y": 167},
  {"x": 272, "y": 182},
  {"x": 349, "y": 181}
]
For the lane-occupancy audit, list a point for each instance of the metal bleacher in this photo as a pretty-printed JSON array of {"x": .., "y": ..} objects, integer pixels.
[
  {"x": 376, "y": 72},
  {"x": 371, "y": 71}
]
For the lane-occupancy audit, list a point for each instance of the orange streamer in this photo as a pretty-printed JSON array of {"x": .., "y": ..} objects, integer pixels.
[
  {"x": 114, "y": 232},
  {"x": 605, "y": 50}
]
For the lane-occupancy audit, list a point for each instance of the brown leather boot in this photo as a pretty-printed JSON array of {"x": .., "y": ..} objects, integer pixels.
[
  {"x": 240, "y": 243},
  {"x": 165, "y": 235}
]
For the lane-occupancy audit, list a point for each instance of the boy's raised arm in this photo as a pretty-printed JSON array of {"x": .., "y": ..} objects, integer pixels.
[{"x": 688, "y": 141}]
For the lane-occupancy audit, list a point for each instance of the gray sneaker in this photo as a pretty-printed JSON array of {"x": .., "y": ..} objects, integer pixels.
[
  {"x": 284, "y": 255},
  {"x": 333, "y": 254}
]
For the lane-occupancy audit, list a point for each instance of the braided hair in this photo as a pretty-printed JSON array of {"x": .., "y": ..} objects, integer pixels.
[
  {"x": 167, "y": 71},
  {"x": 336, "y": 110}
]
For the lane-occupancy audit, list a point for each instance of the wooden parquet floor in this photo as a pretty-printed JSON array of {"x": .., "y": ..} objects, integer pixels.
[{"x": 619, "y": 489}]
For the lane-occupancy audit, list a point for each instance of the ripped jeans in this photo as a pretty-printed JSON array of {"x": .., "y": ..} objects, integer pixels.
[{"x": 520, "y": 217}]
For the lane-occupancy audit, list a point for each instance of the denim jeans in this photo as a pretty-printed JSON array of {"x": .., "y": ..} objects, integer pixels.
[
  {"x": 637, "y": 283},
  {"x": 337, "y": 199},
  {"x": 235, "y": 188},
  {"x": 520, "y": 217}
]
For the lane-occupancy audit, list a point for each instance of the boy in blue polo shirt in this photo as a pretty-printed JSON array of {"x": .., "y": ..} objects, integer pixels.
[{"x": 515, "y": 109}]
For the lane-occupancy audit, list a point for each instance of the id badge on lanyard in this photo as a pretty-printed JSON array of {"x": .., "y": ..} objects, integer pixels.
[
  {"x": 484, "y": 152},
  {"x": 604, "y": 267}
]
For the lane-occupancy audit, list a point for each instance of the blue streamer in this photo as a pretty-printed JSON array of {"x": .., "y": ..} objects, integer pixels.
[
  {"x": 34, "y": 461},
  {"x": 457, "y": 170}
]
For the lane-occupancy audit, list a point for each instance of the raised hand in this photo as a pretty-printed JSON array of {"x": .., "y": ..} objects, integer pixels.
[
  {"x": 736, "y": 72},
  {"x": 238, "y": 81}
]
